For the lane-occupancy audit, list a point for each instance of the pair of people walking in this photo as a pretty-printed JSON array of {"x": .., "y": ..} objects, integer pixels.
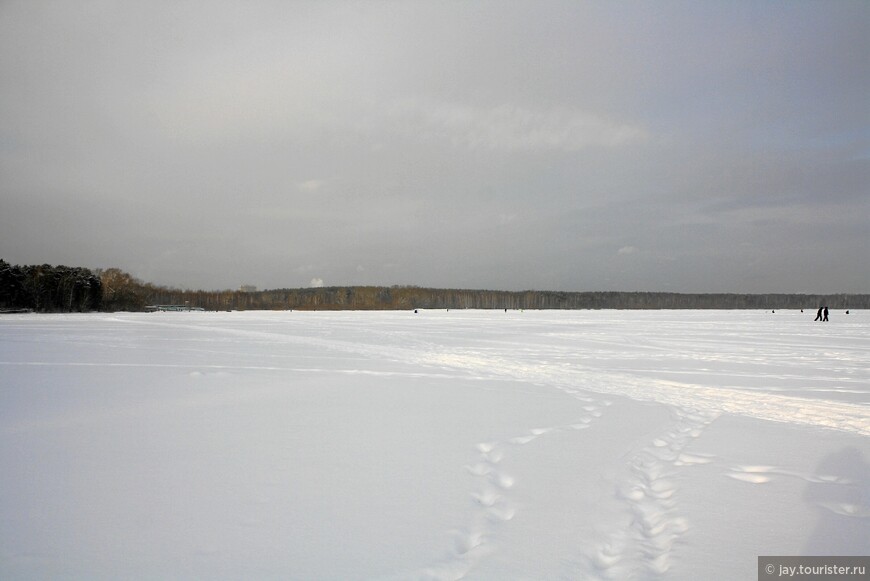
[{"x": 822, "y": 315}]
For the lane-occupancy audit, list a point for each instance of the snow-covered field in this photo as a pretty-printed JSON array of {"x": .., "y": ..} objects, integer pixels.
[{"x": 439, "y": 445}]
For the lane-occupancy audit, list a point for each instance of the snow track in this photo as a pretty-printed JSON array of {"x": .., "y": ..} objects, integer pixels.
[
  {"x": 571, "y": 373},
  {"x": 493, "y": 506},
  {"x": 643, "y": 549}
]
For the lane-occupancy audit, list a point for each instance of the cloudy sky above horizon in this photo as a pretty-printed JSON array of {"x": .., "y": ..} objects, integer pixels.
[{"x": 565, "y": 145}]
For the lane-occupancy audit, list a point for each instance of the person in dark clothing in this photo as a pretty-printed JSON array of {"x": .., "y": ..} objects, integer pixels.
[
  {"x": 826, "y": 314},
  {"x": 819, "y": 314}
]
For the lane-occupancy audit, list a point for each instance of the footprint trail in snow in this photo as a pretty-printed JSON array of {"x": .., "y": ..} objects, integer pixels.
[
  {"x": 643, "y": 549},
  {"x": 491, "y": 502}
]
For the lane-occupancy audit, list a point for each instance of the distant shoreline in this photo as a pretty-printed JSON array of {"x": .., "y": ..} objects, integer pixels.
[
  {"x": 47, "y": 288},
  {"x": 403, "y": 298}
]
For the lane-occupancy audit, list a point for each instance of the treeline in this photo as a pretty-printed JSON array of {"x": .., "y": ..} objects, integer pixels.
[
  {"x": 61, "y": 288},
  {"x": 393, "y": 298},
  {"x": 47, "y": 288}
]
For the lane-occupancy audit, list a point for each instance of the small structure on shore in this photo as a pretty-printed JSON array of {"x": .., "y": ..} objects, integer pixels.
[{"x": 153, "y": 308}]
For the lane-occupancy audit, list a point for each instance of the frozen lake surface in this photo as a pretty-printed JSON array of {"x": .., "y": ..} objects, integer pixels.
[{"x": 441, "y": 445}]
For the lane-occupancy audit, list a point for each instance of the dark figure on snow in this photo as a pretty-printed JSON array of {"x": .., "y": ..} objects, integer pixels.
[
  {"x": 819, "y": 314},
  {"x": 826, "y": 314}
]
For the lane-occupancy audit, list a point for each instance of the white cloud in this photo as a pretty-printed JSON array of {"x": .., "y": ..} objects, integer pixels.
[
  {"x": 310, "y": 185},
  {"x": 316, "y": 283},
  {"x": 513, "y": 128},
  {"x": 627, "y": 250}
]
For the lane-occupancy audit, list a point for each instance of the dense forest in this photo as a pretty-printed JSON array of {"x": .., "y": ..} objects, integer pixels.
[
  {"x": 48, "y": 288},
  {"x": 61, "y": 288},
  {"x": 401, "y": 297}
]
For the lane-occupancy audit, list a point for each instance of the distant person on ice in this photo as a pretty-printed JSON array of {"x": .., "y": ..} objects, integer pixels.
[
  {"x": 826, "y": 314},
  {"x": 819, "y": 314}
]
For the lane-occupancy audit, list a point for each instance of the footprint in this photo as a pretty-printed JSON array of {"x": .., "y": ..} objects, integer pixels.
[
  {"x": 817, "y": 478},
  {"x": 503, "y": 481},
  {"x": 847, "y": 509},
  {"x": 753, "y": 474},
  {"x": 690, "y": 459},
  {"x": 759, "y": 474},
  {"x": 486, "y": 447},
  {"x": 749, "y": 477},
  {"x": 487, "y": 498},
  {"x": 466, "y": 542},
  {"x": 503, "y": 514},
  {"x": 479, "y": 469},
  {"x": 754, "y": 468},
  {"x": 634, "y": 493},
  {"x": 489, "y": 452},
  {"x": 494, "y": 456},
  {"x": 608, "y": 556},
  {"x": 662, "y": 488}
]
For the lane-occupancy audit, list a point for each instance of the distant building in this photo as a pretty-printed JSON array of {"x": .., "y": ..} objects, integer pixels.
[{"x": 248, "y": 288}]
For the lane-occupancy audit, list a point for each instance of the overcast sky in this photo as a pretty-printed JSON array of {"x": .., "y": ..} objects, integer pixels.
[{"x": 680, "y": 146}]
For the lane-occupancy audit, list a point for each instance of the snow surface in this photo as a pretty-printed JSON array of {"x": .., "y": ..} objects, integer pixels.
[{"x": 438, "y": 445}]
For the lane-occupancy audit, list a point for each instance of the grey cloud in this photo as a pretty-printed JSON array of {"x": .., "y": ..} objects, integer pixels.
[{"x": 487, "y": 144}]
